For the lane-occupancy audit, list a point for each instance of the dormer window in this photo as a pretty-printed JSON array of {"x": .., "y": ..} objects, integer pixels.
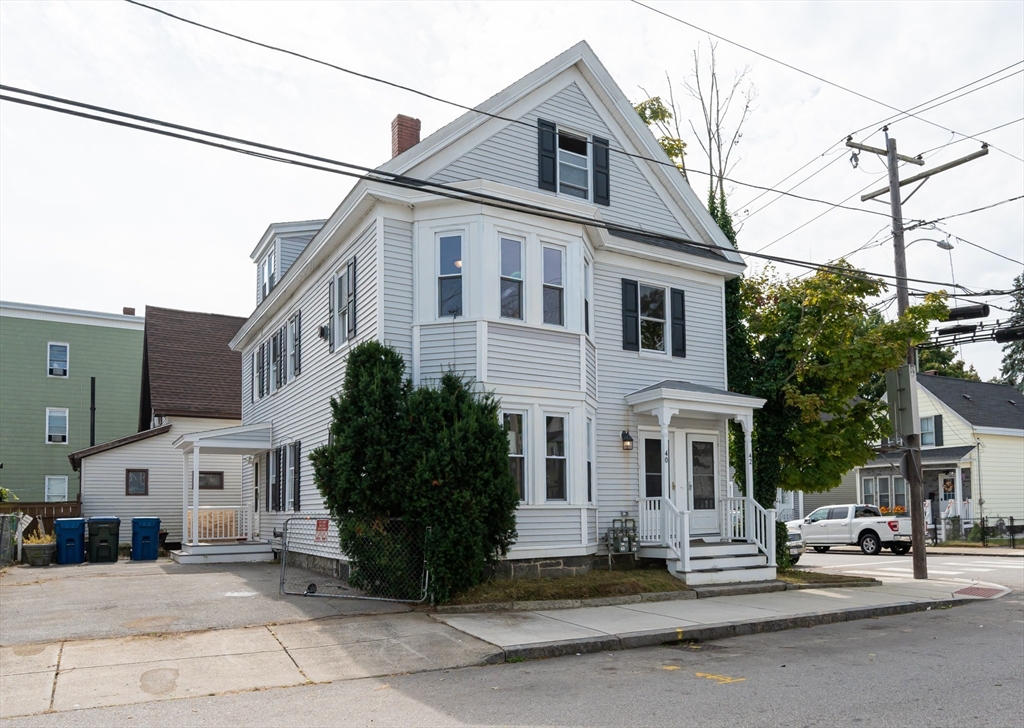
[
  {"x": 268, "y": 273},
  {"x": 573, "y": 164}
]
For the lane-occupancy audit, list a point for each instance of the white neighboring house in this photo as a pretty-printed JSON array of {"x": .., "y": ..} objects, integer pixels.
[
  {"x": 189, "y": 384},
  {"x": 605, "y": 347},
  {"x": 972, "y": 457}
]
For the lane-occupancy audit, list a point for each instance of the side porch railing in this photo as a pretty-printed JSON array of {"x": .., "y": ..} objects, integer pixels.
[
  {"x": 220, "y": 523},
  {"x": 662, "y": 524}
]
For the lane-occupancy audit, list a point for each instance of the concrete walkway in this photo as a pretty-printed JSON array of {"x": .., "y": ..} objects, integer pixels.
[{"x": 75, "y": 674}]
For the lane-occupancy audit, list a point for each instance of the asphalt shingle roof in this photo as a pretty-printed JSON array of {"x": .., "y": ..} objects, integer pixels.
[
  {"x": 191, "y": 370},
  {"x": 983, "y": 404}
]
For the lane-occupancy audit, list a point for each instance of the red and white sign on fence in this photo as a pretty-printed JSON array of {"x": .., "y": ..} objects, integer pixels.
[{"x": 322, "y": 525}]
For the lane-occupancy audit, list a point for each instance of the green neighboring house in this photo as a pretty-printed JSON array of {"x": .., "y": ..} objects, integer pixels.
[{"x": 49, "y": 358}]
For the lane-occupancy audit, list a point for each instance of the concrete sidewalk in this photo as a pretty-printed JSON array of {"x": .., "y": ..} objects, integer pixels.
[{"x": 77, "y": 674}]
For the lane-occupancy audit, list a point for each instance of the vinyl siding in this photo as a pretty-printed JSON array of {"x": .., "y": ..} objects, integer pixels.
[
  {"x": 955, "y": 431},
  {"x": 525, "y": 355},
  {"x": 111, "y": 354},
  {"x": 103, "y": 479},
  {"x": 447, "y": 345},
  {"x": 845, "y": 492},
  {"x": 547, "y": 526},
  {"x": 1002, "y": 476},
  {"x": 301, "y": 409},
  {"x": 510, "y": 157},
  {"x": 291, "y": 247},
  {"x": 591, "y": 353},
  {"x": 398, "y": 286}
]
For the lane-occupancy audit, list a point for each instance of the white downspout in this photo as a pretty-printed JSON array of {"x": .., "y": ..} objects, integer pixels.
[
  {"x": 195, "y": 495},
  {"x": 184, "y": 497}
]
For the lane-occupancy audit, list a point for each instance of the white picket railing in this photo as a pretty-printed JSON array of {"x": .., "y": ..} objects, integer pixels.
[
  {"x": 217, "y": 523},
  {"x": 732, "y": 514},
  {"x": 677, "y": 533},
  {"x": 762, "y": 528},
  {"x": 649, "y": 529}
]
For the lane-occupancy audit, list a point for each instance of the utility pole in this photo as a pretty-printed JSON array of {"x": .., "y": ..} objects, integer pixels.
[{"x": 912, "y": 439}]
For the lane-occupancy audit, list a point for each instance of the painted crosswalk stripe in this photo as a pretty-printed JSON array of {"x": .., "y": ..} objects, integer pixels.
[{"x": 984, "y": 564}]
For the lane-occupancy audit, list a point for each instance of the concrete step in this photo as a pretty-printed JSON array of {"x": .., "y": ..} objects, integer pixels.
[
  {"x": 736, "y": 589},
  {"x": 699, "y": 549},
  {"x": 248, "y": 556},
  {"x": 224, "y": 547},
  {"x": 709, "y": 563},
  {"x": 729, "y": 576}
]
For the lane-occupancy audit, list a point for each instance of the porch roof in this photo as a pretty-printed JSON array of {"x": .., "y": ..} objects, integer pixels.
[
  {"x": 679, "y": 395},
  {"x": 930, "y": 456},
  {"x": 243, "y": 440}
]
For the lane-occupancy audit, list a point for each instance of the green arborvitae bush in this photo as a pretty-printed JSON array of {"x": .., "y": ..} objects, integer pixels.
[{"x": 436, "y": 458}]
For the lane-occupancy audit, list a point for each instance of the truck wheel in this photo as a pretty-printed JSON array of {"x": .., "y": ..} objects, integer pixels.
[
  {"x": 794, "y": 559},
  {"x": 822, "y": 549},
  {"x": 900, "y": 549},
  {"x": 870, "y": 544}
]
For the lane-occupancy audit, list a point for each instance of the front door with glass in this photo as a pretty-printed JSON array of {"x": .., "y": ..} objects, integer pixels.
[{"x": 702, "y": 483}]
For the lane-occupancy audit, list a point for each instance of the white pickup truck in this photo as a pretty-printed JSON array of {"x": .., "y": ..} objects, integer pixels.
[{"x": 855, "y": 525}]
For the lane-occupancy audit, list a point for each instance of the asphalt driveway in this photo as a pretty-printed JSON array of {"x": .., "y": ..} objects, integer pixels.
[{"x": 89, "y": 601}]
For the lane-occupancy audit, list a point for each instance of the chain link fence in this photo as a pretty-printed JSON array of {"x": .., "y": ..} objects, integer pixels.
[
  {"x": 382, "y": 559},
  {"x": 988, "y": 531}
]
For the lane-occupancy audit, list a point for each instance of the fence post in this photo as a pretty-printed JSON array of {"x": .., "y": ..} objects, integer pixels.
[
  {"x": 984, "y": 536},
  {"x": 1013, "y": 541}
]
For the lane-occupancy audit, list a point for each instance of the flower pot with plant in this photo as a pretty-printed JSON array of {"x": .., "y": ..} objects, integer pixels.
[{"x": 39, "y": 548}]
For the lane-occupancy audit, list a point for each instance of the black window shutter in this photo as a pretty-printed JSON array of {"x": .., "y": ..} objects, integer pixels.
[
  {"x": 298, "y": 343},
  {"x": 282, "y": 356},
  {"x": 602, "y": 187},
  {"x": 297, "y": 464},
  {"x": 266, "y": 487},
  {"x": 351, "y": 272},
  {"x": 260, "y": 369},
  {"x": 630, "y": 315},
  {"x": 266, "y": 369},
  {"x": 546, "y": 155},
  {"x": 938, "y": 430},
  {"x": 678, "y": 322},
  {"x": 281, "y": 462},
  {"x": 252, "y": 377},
  {"x": 330, "y": 315}
]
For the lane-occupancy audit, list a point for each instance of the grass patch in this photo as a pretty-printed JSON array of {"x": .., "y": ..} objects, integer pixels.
[
  {"x": 799, "y": 576},
  {"x": 992, "y": 542},
  {"x": 590, "y": 585}
]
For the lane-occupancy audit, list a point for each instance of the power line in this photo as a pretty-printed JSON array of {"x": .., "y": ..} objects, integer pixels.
[
  {"x": 965, "y": 212},
  {"x": 981, "y": 247},
  {"x": 464, "y": 107},
  {"x": 794, "y": 68},
  {"x": 406, "y": 182}
]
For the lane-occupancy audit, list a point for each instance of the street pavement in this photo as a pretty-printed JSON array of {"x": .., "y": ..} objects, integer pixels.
[
  {"x": 306, "y": 641},
  {"x": 890, "y": 568}
]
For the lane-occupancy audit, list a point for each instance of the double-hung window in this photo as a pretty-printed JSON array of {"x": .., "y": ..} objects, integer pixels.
[
  {"x": 449, "y": 276},
  {"x": 514, "y": 427},
  {"x": 294, "y": 345},
  {"x": 56, "y": 489},
  {"x": 652, "y": 318},
  {"x": 511, "y": 278},
  {"x": 573, "y": 165},
  {"x": 269, "y": 273},
  {"x": 931, "y": 431},
  {"x": 57, "y": 425},
  {"x": 869, "y": 491},
  {"x": 554, "y": 460},
  {"x": 554, "y": 291},
  {"x": 57, "y": 360},
  {"x": 136, "y": 482},
  {"x": 275, "y": 362}
]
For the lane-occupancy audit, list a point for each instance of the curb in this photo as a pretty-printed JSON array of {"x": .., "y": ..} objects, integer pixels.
[
  {"x": 835, "y": 584},
  {"x": 532, "y": 606},
  {"x": 654, "y": 638}
]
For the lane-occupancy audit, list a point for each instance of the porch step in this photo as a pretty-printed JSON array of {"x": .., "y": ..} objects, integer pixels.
[
  {"x": 705, "y": 549},
  {"x": 728, "y": 561},
  {"x": 729, "y": 576},
  {"x": 224, "y": 553}
]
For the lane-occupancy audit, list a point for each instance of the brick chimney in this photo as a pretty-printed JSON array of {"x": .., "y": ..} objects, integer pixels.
[
  {"x": 128, "y": 311},
  {"x": 405, "y": 133}
]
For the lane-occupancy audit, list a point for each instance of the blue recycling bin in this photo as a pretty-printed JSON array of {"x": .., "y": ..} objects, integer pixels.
[
  {"x": 145, "y": 539},
  {"x": 70, "y": 534},
  {"x": 104, "y": 533}
]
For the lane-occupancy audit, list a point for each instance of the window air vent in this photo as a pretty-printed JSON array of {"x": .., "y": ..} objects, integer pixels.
[
  {"x": 57, "y": 372},
  {"x": 57, "y": 438}
]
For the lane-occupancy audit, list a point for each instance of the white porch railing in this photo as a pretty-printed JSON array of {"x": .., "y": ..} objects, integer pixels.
[
  {"x": 732, "y": 517},
  {"x": 662, "y": 524},
  {"x": 743, "y": 519},
  {"x": 763, "y": 527},
  {"x": 219, "y": 523}
]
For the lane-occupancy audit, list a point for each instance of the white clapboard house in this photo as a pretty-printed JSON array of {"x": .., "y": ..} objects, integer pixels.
[{"x": 605, "y": 344}]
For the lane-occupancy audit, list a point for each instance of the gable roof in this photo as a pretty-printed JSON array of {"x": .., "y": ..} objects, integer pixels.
[
  {"x": 79, "y": 455},
  {"x": 982, "y": 404},
  {"x": 639, "y": 141},
  {"x": 188, "y": 369}
]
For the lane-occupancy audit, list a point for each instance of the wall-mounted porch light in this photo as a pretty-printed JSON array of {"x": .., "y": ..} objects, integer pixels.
[{"x": 627, "y": 441}]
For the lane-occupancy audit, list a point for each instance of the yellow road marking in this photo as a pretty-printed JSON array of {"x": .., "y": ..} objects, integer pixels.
[
  {"x": 720, "y": 679},
  {"x": 670, "y": 667}
]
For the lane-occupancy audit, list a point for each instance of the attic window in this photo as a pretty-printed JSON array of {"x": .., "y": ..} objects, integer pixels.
[{"x": 572, "y": 165}]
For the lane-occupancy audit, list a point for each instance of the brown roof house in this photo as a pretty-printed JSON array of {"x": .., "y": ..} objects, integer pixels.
[{"x": 191, "y": 383}]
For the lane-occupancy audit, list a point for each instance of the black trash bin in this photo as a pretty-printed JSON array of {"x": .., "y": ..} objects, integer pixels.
[
  {"x": 70, "y": 534},
  {"x": 104, "y": 532},
  {"x": 145, "y": 539}
]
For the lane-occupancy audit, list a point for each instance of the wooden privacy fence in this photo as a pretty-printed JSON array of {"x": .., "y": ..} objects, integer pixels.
[{"x": 45, "y": 512}]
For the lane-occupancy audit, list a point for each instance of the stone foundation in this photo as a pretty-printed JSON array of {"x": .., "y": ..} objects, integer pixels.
[
  {"x": 319, "y": 564},
  {"x": 559, "y": 567}
]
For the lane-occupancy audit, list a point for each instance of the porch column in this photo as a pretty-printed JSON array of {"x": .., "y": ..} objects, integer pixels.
[
  {"x": 747, "y": 423},
  {"x": 195, "y": 495},
  {"x": 184, "y": 496},
  {"x": 958, "y": 493},
  {"x": 664, "y": 417}
]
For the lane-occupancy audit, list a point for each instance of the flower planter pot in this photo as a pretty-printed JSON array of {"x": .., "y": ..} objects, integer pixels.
[{"x": 39, "y": 554}]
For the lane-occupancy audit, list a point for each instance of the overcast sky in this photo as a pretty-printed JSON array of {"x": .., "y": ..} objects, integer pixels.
[{"x": 98, "y": 217}]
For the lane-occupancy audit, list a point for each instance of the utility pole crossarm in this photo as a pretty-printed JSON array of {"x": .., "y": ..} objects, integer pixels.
[
  {"x": 925, "y": 175},
  {"x": 882, "y": 153}
]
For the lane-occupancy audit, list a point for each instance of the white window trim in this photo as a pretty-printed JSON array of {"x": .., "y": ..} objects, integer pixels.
[
  {"x": 567, "y": 449},
  {"x": 290, "y": 348},
  {"x": 67, "y": 370},
  {"x": 67, "y": 425},
  {"x": 289, "y": 479},
  {"x": 273, "y": 360},
  {"x": 931, "y": 431},
  {"x": 463, "y": 239},
  {"x": 564, "y": 255},
  {"x": 46, "y": 488},
  {"x": 666, "y": 322},
  {"x": 588, "y": 297},
  {"x": 265, "y": 269},
  {"x": 588, "y": 140},
  {"x": 590, "y": 434},
  {"x": 339, "y": 323}
]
